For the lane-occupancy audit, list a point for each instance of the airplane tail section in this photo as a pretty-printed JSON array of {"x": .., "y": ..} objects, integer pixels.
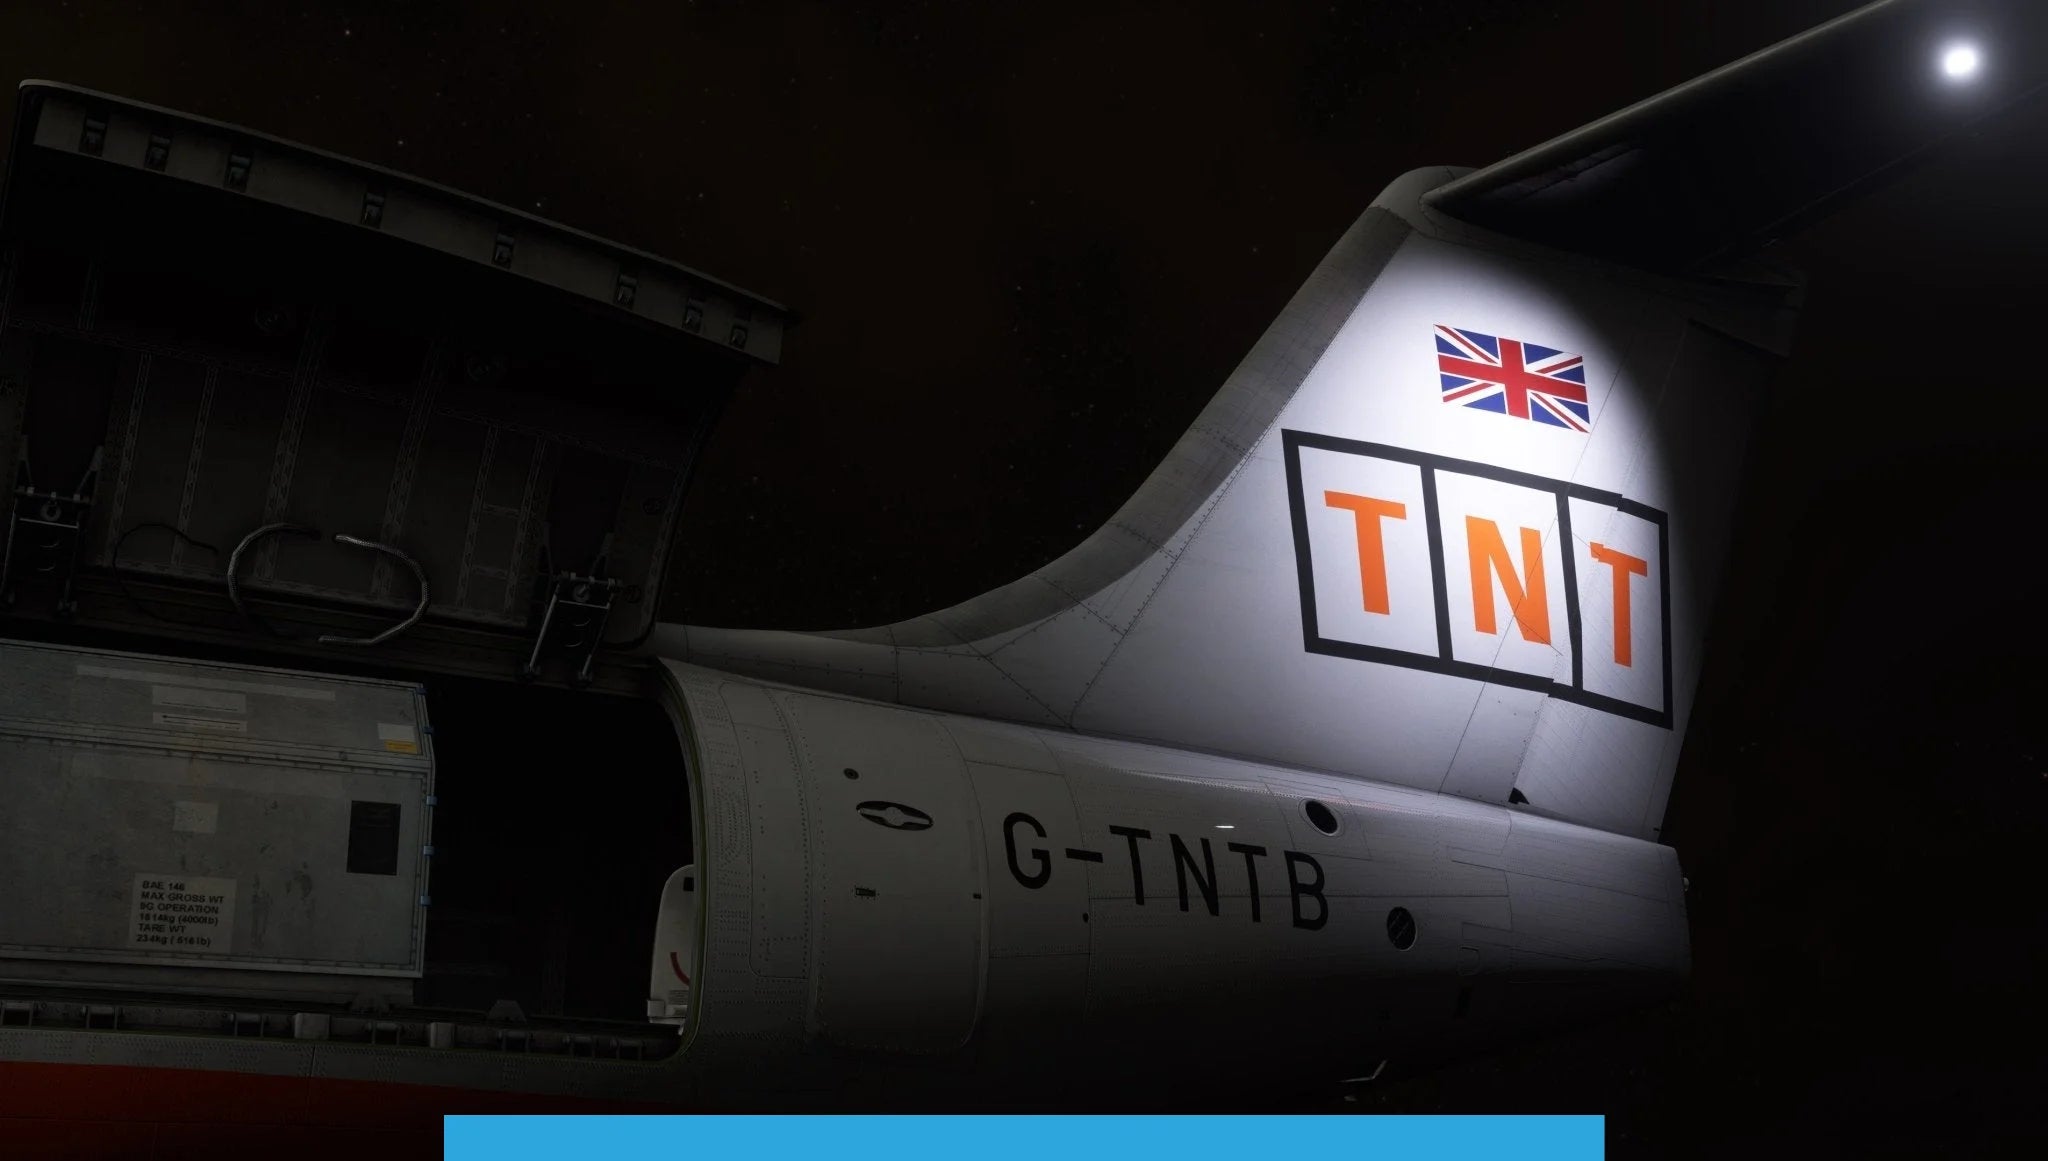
[
  {"x": 1457, "y": 519},
  {"x": 1452, "y": 524}
]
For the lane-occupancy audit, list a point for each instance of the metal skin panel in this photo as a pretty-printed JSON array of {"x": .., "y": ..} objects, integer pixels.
[
  {"x": 1038, "y": 930},
  {"x": 898, "y": 899},
  {"x": 1406, "y": 645},
  {"x": 783, "y": 885},
  {"x": 1038, "y": 904},
  {"x": 741, "y": 1017}
]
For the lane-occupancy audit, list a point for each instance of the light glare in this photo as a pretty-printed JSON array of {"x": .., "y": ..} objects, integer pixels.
[{"x": 1960, "y": 61}]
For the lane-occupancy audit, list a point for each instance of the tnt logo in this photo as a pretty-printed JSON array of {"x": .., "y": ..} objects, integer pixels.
[{"x": 1462, "y": 568}]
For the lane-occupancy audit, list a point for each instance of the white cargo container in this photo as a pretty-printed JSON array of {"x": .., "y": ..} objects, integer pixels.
[{"x": 217, "y": 829}]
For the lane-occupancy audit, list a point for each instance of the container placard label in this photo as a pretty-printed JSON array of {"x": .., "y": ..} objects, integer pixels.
[
  {"x": 398, "y": 737},
  {"x": 193, "y": 723},
  {"x": 183, "y": 913}
]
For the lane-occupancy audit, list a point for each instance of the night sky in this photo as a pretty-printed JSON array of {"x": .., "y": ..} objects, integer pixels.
[{"x": 1028, "y": 241}]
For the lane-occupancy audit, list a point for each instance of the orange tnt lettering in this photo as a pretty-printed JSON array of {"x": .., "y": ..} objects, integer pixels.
[
  {"x": 1372, "y": 549},
  {"x": 1623, "y": 565},
  {"x": 1531, "y": 605}
]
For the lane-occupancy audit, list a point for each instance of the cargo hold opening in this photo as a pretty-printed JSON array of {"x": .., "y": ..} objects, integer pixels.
[{"x": 561, "y": 817}]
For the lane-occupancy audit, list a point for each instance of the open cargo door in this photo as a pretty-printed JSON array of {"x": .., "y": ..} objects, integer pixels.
[{"x": 436, "y": 406}]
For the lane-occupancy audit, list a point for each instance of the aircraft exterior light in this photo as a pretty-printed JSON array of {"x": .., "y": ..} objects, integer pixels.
[{"x": 1960, "y": 62}]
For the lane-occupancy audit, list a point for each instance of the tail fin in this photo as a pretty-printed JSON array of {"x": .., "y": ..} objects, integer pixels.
[
  {"x": 1454, "y": 523},
  {"x": 1379, "y": 549}
]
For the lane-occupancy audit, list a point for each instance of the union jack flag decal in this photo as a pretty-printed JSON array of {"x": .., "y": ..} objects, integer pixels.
[{"x": 1514, "y": 378}]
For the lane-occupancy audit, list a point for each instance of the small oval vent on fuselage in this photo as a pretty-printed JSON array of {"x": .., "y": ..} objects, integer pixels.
[
  {"x": 1320, "y": 816},
  {"x": 1401, "y": 928}
]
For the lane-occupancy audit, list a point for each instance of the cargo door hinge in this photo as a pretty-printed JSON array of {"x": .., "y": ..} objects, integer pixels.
[
  {"x": 44, "y": 533},
  {"x": 576, "y": 606}
]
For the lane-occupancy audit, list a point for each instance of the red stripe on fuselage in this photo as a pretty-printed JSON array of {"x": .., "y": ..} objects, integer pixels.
[
  {"x": 102, "y": 1140},
  {"x": 102, "y": 1093}
]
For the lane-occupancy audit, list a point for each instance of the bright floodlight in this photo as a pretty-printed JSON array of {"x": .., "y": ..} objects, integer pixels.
[{"x": 1959, "y": 62}]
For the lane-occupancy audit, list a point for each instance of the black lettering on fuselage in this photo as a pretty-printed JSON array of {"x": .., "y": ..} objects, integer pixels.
[
  {"x": 1251, "y": 871},
  {"x": 1306, "y": 884},
  {"x": 1184, "y": 866},
  {"x": 1297, "y": 890},
  {"x": 1132, "y": 835},
  {"x": 1038, "y": 878}
]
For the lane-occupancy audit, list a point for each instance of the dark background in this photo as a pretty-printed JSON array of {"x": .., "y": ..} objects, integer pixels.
[{"x": 1030, "y": 240}]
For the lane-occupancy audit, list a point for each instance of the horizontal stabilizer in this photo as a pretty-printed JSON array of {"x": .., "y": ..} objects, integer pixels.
[{"x": 1724, "y": 164}]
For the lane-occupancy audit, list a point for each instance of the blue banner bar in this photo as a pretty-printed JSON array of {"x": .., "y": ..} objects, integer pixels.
[{"x": 1021, "y": 1138}]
